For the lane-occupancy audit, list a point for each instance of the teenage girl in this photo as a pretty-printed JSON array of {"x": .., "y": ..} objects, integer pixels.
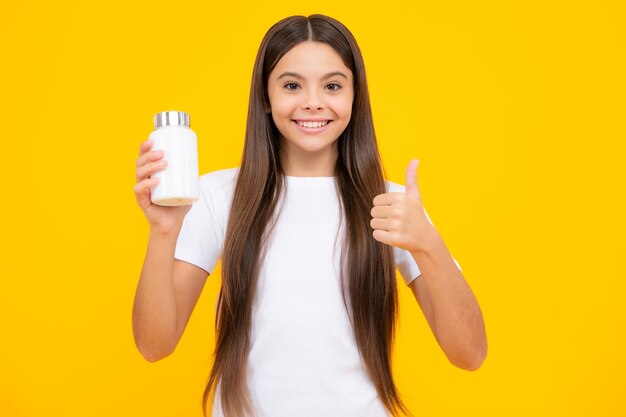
[{"x": 310, "y": 235}]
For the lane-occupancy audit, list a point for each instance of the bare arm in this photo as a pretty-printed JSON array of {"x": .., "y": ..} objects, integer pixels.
[
  {"x": 400, "y": 220},
  {"x": 450, "y": 307},
  {"x": 166, "y": 295}
]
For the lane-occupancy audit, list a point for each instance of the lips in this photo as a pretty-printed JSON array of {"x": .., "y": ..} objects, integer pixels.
[{"x": 312, "y": 124}]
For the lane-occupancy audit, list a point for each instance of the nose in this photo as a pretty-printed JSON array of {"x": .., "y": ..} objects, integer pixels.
[{"x": 312, "y": 101}]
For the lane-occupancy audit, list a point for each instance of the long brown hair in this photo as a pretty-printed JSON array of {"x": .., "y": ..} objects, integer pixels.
[{"x": 368, "y": 268}]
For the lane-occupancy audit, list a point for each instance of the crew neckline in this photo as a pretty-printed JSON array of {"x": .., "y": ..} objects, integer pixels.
[{"x": 292, "y": 180}]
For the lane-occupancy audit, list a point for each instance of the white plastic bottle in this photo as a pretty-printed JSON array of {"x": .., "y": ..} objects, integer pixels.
[{"x": 178, "y": 182}]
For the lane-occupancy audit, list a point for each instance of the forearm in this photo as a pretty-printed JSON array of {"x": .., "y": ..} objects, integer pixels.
[
  {"x": 458, "y": 321},
  {"x": 154, "y": 310}
]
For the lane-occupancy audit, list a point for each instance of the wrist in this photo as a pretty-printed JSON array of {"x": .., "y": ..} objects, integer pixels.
[
  {"x": 431, "y": 243},
  {"x": 163, "y": 234}
]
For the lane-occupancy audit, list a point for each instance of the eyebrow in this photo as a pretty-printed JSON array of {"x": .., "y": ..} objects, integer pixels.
[{"x": 296, "y": 75}]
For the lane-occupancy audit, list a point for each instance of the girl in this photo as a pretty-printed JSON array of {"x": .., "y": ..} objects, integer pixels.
[{"x": 310, "y": 234}]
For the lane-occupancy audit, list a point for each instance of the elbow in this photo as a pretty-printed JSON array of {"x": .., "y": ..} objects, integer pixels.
[
  {"x": 154, "y": 355},
  {"x": 471, "y": 362},
  {"x": 154, "y": 352},
  {"x": 470, "y": 365}
]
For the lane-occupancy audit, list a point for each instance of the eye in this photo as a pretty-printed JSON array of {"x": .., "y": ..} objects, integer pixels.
[
  {"x": 291, "y": 86},
  {"x": 333, "y": 86}
]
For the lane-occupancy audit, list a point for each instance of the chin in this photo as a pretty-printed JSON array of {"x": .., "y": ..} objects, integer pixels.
[{"x": 314, "y": 149}]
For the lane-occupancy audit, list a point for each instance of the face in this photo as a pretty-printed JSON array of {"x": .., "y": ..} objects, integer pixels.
[{"x": 310, "y": 93}]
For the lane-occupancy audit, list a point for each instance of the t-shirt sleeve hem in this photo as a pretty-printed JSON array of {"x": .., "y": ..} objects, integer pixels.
[
  {"x": 410, "y": 281},
  {"x": 415, "y": 273},
  {"x": 411, "y": 274},
  {"x": 197, "y": 261}
]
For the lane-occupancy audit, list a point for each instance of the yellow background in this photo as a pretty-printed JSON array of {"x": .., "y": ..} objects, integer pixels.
[{"x": 516, "y": 111}]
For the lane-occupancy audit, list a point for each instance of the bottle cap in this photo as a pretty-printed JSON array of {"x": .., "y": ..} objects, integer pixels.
[{"x": 171, "y": 118}]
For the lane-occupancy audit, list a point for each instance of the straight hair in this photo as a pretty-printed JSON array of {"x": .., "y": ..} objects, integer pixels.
[{"x": 368, "y": 280}]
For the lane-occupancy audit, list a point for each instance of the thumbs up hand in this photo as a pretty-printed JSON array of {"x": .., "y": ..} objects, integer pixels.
[{"x": 399, "y": 219}]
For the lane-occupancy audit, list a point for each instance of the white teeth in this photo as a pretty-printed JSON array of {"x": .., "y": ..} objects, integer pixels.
[{"x": 313, "y": 124}]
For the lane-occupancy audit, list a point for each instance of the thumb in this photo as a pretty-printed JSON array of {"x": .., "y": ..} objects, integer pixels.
[{"x": 411, "y": 178}]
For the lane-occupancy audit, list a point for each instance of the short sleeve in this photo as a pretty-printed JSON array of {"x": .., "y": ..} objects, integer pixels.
[
  {"x": 406, "y": 265},
  {"x": 199, "y": 241}
]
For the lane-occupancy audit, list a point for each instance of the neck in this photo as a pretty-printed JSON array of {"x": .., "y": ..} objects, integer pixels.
[{"x": 297, "y": 162}]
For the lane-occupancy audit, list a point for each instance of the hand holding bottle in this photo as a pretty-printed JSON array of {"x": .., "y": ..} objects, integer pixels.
[{"x": 162, "y": 219}]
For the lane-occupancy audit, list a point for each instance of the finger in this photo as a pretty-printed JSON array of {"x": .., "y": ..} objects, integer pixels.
[
  {"x": 149, "y": 156},
  {"x": 151, "y": 168},
  {"x": 382, "y": 212},
  {"x": 380, "y": 224},
  {"x": 142, "y": 192},
  {"x": 385, "y": 199},
  {"x": 142, "y": 186},
  {"x": 411, "y": 178},
  {"x": 382, "y": 236},
  {"x": 145, "y": 146}
]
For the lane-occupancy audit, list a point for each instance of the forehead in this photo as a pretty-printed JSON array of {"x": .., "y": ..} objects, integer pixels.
[{"x": 311, "y": 59}]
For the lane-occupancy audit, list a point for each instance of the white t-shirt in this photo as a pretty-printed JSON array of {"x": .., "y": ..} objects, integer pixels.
[{"x": 304, "y": 360}]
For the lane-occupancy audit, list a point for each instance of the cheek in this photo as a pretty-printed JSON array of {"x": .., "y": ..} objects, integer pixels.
[
  {"x": 282, "y": 108},
  {"x": 343, "y": 106},
  {"x": 344, "y": 109},
  {"x": 281, "y": 122}
]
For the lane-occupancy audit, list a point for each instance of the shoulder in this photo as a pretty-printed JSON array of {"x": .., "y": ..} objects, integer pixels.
[
  {"x": 221, "y": 180},
  {"x": 218, "y": 187},
  {"x": 393, "y": 187}
]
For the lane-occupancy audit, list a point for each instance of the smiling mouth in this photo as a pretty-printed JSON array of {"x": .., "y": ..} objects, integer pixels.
[{"x": 313, "y": 125}]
